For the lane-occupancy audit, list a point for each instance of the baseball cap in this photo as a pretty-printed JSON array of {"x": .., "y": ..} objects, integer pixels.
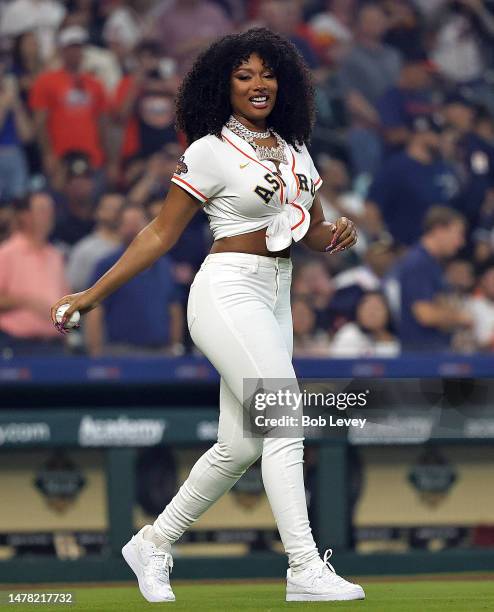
[
  {"x": 77, "y": 163},
  {"x": 72, "y": 35}
]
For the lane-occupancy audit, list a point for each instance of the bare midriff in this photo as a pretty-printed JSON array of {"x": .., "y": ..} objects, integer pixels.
[{"x": 253, "y": 243}]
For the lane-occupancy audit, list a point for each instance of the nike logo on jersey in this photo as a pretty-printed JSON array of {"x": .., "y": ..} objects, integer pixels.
[{"x": 242, "y": 166}]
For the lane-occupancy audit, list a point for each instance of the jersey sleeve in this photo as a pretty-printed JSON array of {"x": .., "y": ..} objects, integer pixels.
[
  {"x": 199, "y": 172},
  {"x": 313, "y": 173}
]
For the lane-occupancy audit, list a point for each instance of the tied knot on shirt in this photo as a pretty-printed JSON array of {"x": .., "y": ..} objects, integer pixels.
[{"x": 290, "y": 223}]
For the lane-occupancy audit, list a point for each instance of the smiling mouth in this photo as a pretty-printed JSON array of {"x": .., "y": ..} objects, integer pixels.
[{"x": 259, "y": 101}]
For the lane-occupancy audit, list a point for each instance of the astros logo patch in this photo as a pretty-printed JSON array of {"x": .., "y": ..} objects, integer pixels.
[{"x": 181, "y": 166}]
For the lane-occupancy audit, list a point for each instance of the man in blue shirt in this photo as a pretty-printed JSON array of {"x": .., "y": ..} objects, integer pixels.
[
  {"x": 142, "y": 317},
  {"x": 417, "y": 290},
  {"x": 476, "y": 159},
  {"x": 410, "y": 182}
]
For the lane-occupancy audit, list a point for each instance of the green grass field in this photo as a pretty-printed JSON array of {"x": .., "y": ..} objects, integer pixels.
[{"x": 452, "y": 595}]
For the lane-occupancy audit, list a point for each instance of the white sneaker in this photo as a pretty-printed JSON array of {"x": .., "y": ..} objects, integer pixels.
[
  {"x": 321, "y": 583},
  {"x": 151, "y": 565}
]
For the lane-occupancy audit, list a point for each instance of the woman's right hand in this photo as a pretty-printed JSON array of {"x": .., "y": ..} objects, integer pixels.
[{"x": 82, "y": 301}]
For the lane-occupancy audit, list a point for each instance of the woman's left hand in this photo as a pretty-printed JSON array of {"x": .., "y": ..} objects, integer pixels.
[{"x": 344, "y": 237}]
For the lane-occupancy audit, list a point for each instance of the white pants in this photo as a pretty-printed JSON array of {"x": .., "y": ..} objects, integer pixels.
[{"x": 239, "y": 316}]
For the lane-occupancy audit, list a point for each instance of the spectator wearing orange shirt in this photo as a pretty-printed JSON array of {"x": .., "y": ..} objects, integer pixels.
[
  {"x": 31, "y": 278},
  {"x": 70, "y": 106}
]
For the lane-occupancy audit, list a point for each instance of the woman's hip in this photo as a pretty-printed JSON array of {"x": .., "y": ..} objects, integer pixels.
[
  {"x": 242, "y": 286},
  {"x": 234, "y": 320}
]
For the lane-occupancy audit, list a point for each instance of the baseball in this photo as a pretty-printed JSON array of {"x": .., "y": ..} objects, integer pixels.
[{"x": 74, "y": 319}]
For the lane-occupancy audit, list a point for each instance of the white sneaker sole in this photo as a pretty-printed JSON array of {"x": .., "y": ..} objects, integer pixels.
[
  {"x": 332, "y": 597},
  {"x": 129, "y": 554}
]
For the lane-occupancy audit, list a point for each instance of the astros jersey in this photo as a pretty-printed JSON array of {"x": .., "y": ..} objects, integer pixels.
[{"x": 241, "y": 194}]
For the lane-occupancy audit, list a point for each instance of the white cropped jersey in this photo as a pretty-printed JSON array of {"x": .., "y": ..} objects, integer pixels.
[{"x": 241, "y": 194}]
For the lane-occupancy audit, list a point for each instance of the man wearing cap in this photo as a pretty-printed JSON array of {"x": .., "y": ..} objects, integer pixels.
[
  {"x": 410, "y": 98},
  {"x": 475, "y": 153},
  {"x": 75, "y": 200},
  {"x": 410, "y": 182},
  {"x": 69, "y": 105}
]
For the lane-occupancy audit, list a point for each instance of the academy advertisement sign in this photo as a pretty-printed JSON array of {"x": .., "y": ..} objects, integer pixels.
[{"x": 120, "y": 431}]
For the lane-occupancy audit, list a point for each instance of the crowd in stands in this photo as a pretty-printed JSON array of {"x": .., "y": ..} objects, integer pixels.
[{"x": 404, "y": 142}]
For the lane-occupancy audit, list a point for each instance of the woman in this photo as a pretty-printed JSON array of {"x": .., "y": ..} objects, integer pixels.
[
  {"x": 15, "y": 129},
  {"x": 308, "y": 341},
  {"x": 246, "y": 107},
  {"x": 369, "y": 335},
  {"x": 27, "y": 62}
]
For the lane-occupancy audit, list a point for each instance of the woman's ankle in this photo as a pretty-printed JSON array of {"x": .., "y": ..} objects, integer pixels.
[{"x": 150, "y": 535}]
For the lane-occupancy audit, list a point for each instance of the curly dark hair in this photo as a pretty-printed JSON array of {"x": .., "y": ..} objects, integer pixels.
[{"x": 203, "y": 101}]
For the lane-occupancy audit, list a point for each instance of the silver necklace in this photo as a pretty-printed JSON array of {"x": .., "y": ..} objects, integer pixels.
[
  {"x": 276, "y": 153},
  {"x": 241, "y": 130}
]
